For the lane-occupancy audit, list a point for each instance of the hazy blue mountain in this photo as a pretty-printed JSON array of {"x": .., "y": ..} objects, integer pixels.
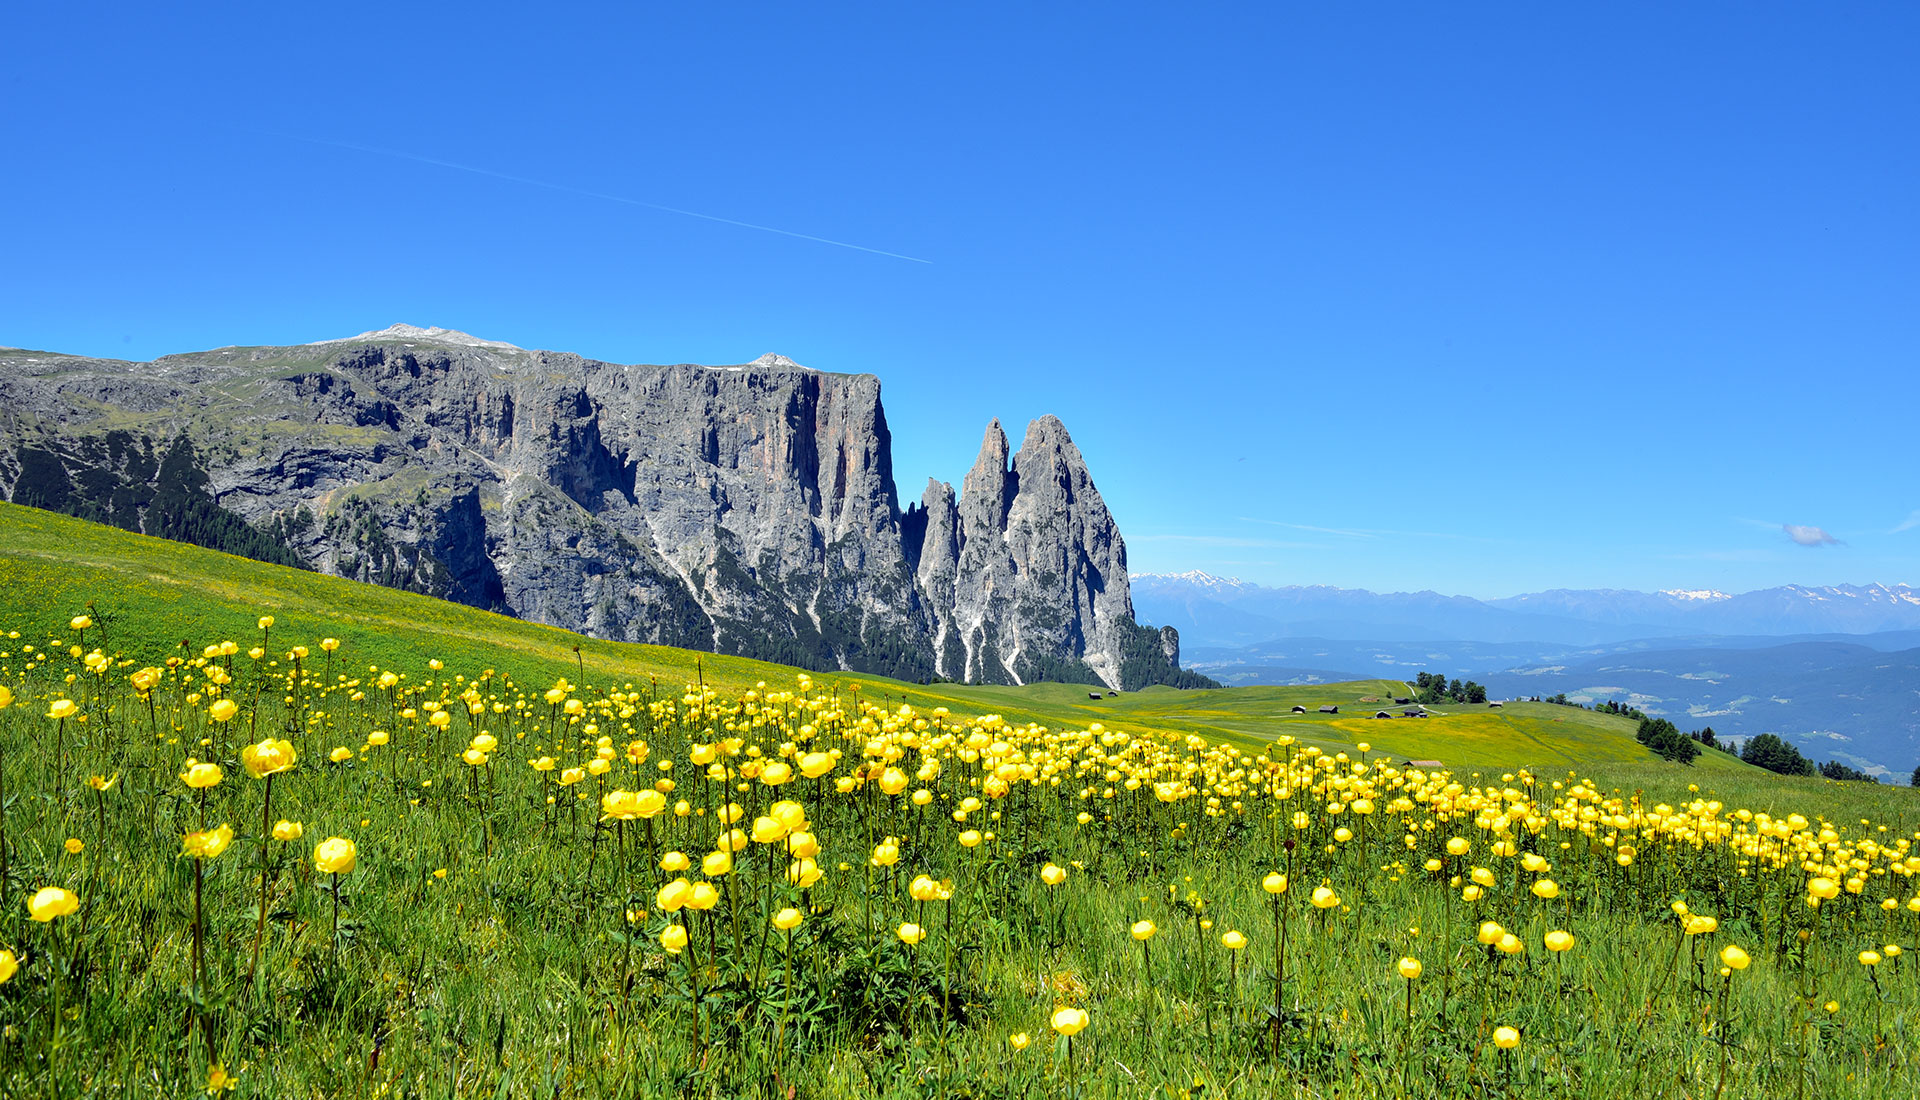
[{"x": 1212, "y": 611}]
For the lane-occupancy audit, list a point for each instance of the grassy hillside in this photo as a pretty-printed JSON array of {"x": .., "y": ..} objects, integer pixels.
[
  {"x": 53, "y": 567},
  {"x": 527, "y": 894}
]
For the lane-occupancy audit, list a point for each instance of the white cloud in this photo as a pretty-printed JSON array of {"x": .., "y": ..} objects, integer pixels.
[
  {"x": 1809, "y": 536},
  {"x": 1907, "y": 524}
]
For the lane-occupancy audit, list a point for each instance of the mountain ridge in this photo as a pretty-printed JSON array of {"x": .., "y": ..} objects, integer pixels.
[{"x": 745, "y": 508}]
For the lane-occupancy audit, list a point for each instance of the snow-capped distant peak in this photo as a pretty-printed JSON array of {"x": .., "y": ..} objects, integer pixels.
[
  {"x": 1192, "y": 576},
  {"x": 1691, "y": 594},
  {"x": 415, "y": 332}
]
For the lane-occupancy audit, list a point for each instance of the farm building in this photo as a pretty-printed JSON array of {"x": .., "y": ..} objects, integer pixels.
[
  {"x": 1299, "y": 709},
  {"x": 1329, "y": 709},
  {"x": 1381, "y": 714},
  {"x": 1422, "y": 764}
]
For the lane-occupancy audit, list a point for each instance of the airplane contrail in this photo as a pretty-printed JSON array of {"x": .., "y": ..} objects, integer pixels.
[{"x": 601, "y": 195}]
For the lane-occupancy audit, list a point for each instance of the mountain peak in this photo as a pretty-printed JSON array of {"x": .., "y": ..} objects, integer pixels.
[{"x": 434, "y": 335}]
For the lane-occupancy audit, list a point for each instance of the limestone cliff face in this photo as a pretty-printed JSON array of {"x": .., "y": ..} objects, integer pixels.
[
  {"x": 1035, "y": 575},
  {"x": 744, "y": 509}
]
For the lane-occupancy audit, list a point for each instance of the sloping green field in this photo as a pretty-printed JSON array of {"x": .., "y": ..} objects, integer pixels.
[{"x": 155, "y": 593}]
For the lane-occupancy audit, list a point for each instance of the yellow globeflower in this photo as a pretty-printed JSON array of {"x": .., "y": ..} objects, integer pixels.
[
  {"x": 1823, "y": 888},
  {"x": 1274, "y": 883},
  {"x": 6, "y": 697},
  {"x": 51, "y": 902},
  {"x": 674, "y": 938},
  {"x": 786, "y": 920},
  {"x": 923, "y": 888},
  {"x": 202, "y": 775},
  {"x": 816, "y": 764},
  {"x": 1324, "y": 898},
  {"x": 269, "y": 757},
  {"x": 1053, "y": 874},
  {"x": 886, "y": 853},
  {"x": 1697, "y": 925},
  {"x": 8, "y": 964},
  {"x": 673, "y": 896},
  {"x": 911, "y": 933},
  {"x": 716, "y": 864},
  {"x": 1233, "y": 941},
  {"x": 62, "y": 709},
  {"x": 1409, "y": 968},
  {"x": 1069, "y": 1021},
  {"x": 1018, "y": 1041},
  {"x": 1869, "y": 958},
  {"x": 1458, "y": 846},
  {"x": 804, "y": 873},
  {"x": 970, "y": 838},
  {"x": 208, "y": 843},
  {"x": 335, "y": 856},
  {"x": 703, "y": 896},
  {"x": 1509, "y": 944},
  {"x": 1144, "y": 930},
  {"x": 803, "y": 845},
  {"x": 287, "y": 830},
  {"x": 1546, "y": 889},
  {"x": 1506, "y": 1038},
  {"x": 1734, "y": 957},
  {"x": 222, "y": 710},
  {"x": 1558, "y": 940}
]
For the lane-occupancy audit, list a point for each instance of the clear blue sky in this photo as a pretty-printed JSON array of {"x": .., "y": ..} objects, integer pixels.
[{"x": 1477, "y": 298}]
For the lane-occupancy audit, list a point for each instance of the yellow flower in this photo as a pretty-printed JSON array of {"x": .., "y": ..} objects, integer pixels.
[
  {"x": 886, "y": 853},
  {"x": 201, "y": 776},
  {"x": 1558, "y": 940},
  {"x": 1546, "y": 889},
  {"x": 287, "y": 830},
  {"x": 74, "y": 846},
  {"x": 146, "y": 679},
  {"x": 335, "y": 856},
  {"x": 1734, "y": 957},
  {"x": 1233, "y": 941},
  {"x": 1144, "y": 930},
  {"x": 1053, "y": 875},
  {"x": 1506, "y": 1038},
  {"x": 219, "y": 1080},
  {"x": 207, "y": 843},
  {"x": 788, "y": 919},
  {"x": 674, "y": 938},
  {"x": 8, "y": 965},
  {"x": 62, "y": 709},
  {"x": 716, "y": 864},
  {"x": 1458, "y": 846},
  {"x": 1869, "y": 958},
  {"x": 911, "y": 933},
  {"x": 1409, "y": 968},
  {"x": 1019, "y": 1041},
  {"x": 1324, "y": 898},
  {"x": 1697, "y": 925},
  {"x": 340, "y": 754},
  {"x": 269, "y": 757},
  {"x": 970, "y": 838},
  {"x": 804, "y": 873},
  {"x": 1069, "y": 1021},
  {"x": 6, "y": 697},
  {"x": 1274, "y": 883},
  {"x": 672, "y": 897},
  {"x": 816, "y": 764},
  {"x": 101, "y": 782},
  {"x": 1509, "y": 944},
  {"x": 1823, "y": 888},
  {"x": 51, "y": 902},
  {"x": 221, "y": 710},
  {"x": 266, "y": 622},
  {"x": 703, "y": 896}
]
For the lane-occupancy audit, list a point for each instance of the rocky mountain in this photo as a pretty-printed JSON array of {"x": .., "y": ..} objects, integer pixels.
[{"x": 744, "y": 509}]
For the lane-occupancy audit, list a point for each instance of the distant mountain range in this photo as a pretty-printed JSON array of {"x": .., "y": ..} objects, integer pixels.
[
  {"x": 1215, "y": 611},
  {"x": 1835, "y": 670}
]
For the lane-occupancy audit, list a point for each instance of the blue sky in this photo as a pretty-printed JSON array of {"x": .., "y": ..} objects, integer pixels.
[{"x": 1478, "y": 298}]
